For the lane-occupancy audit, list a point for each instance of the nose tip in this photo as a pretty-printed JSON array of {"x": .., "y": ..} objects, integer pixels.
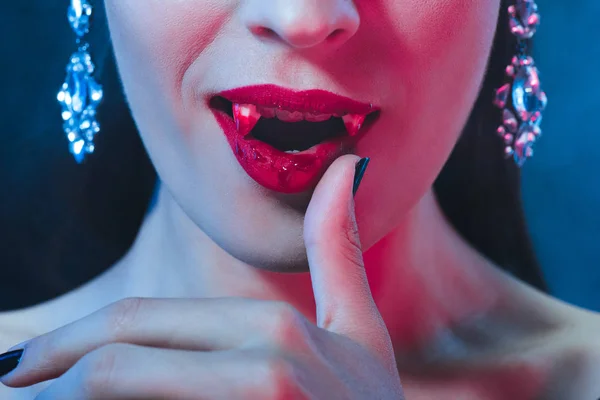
[
  {"x": 305, "y": 23},
  {"x": 302, "y": 36}
]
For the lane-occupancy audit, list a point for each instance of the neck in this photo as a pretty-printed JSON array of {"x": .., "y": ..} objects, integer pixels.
[
  {"x": 444, "y": 305},
  {"x": 424, "y": 277}
]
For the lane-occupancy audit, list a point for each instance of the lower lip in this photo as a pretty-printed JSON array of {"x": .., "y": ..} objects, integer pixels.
[{"x": 277, "y": 170}]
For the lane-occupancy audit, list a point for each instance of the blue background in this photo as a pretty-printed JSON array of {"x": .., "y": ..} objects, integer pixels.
[{"x": 562, "y": 181}]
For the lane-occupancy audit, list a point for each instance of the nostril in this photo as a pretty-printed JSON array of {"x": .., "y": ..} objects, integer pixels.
[
  {"x": 335, "y": 35},
  {"x": 263, "y": 32}
]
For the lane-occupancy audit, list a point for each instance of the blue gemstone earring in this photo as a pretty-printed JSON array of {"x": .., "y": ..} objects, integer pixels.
[
  {"x": 522, "y": 99},
  {"x": 80, "y": 94}
]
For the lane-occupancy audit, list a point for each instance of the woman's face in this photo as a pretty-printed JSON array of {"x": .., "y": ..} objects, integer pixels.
[{"x": 419, "y": 63}]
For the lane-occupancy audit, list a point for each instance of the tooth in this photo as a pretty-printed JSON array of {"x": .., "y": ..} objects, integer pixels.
[
  {"x": 292, "y": 151},
  {"x": 289, "y": 116},
  {"x": 246, "y": 117},
  {"x": 267, "y": 112},
  {"x": 353, "y": 123},
  {"x": 317, "y": 117}
]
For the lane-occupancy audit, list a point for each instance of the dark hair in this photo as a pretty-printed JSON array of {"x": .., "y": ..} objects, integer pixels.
[
  {"x": 478, "y": 189},
  {"x": 62, "y": 225}
]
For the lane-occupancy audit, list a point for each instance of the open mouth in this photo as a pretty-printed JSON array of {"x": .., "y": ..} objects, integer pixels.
[
  {"x": 291, "y": 131},
  {"x": 285, "y": 139}
]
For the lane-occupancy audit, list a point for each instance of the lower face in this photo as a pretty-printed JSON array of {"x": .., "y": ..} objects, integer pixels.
[{"x": 419, "y": 63}]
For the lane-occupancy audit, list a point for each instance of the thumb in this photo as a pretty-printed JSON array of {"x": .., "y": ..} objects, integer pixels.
[{"x": 342, "y": 294}]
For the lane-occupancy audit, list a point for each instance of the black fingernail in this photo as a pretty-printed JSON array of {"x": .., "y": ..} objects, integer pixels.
[
  {"x": 359, "y": 172},
  {"x": 9, "y": 361}
]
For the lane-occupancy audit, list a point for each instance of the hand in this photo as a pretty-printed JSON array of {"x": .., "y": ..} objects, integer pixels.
[{"x": 234, "y": 348}]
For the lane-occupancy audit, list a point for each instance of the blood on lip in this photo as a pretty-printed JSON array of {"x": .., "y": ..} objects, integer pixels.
[
  {"x": 246, "y": 117},
  {"x": 274, "y": 169}
]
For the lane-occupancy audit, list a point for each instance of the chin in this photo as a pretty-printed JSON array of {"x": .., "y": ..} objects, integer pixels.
[
  {"x": 262, "y": 231},
  {"x": 281, "y": 258}
]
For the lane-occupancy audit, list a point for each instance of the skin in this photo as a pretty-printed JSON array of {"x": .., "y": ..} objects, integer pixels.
[{"x": 408, "y": 295}]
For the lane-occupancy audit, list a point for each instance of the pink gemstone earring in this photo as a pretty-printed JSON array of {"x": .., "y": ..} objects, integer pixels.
[
  {"x": 80, "y": 94},
  {"x": 522, "y": 98}
]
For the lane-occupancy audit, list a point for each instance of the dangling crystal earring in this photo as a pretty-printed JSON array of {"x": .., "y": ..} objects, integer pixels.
[
  {"x": 522, "y": 119},
  {"x": 80, "y": 95}
]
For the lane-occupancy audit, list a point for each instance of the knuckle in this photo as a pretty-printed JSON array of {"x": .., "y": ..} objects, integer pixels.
[
  {"x": 284, "y": 314},
  {"x": 351, "y": 232},
  {"x": 99, "y": 369},
  {"x": 288, "y": 325},
  {"x": 121, "y": 316},
  {"x": 350, "y": 244}
]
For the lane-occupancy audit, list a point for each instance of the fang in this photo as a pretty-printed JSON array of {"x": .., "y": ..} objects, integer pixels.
[
  {"x": 353, "y": 123},
  {"x": 246, "y": 117}
]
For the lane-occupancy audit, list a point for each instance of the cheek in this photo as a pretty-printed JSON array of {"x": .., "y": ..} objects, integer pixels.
[
  {"x": 442, "y": 54},
  {"x": 429, "y": 57},
  {"x": 165, "y": 38},
  {"x": 154, "y": 45},
  {"x": 447, "y": 47},
  {"x": 435, "y": 53}
]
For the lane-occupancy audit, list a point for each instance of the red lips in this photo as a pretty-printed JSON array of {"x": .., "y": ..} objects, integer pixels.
[
  {"x": 278, "y": 170},
  {"x": 318, "y": 101}
]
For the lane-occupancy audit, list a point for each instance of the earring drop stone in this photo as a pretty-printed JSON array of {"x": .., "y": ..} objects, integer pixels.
[
  {"x": 80, "y": 94},
  {"x": 521, "y": 118},
  {"x": 524, "y": 18},
  {"x": 79, "y": 14},
  {"x": 528, "y": 97}
]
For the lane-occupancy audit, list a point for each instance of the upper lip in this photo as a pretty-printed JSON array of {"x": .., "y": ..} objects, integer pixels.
[{"x": 308, "y": 101}]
